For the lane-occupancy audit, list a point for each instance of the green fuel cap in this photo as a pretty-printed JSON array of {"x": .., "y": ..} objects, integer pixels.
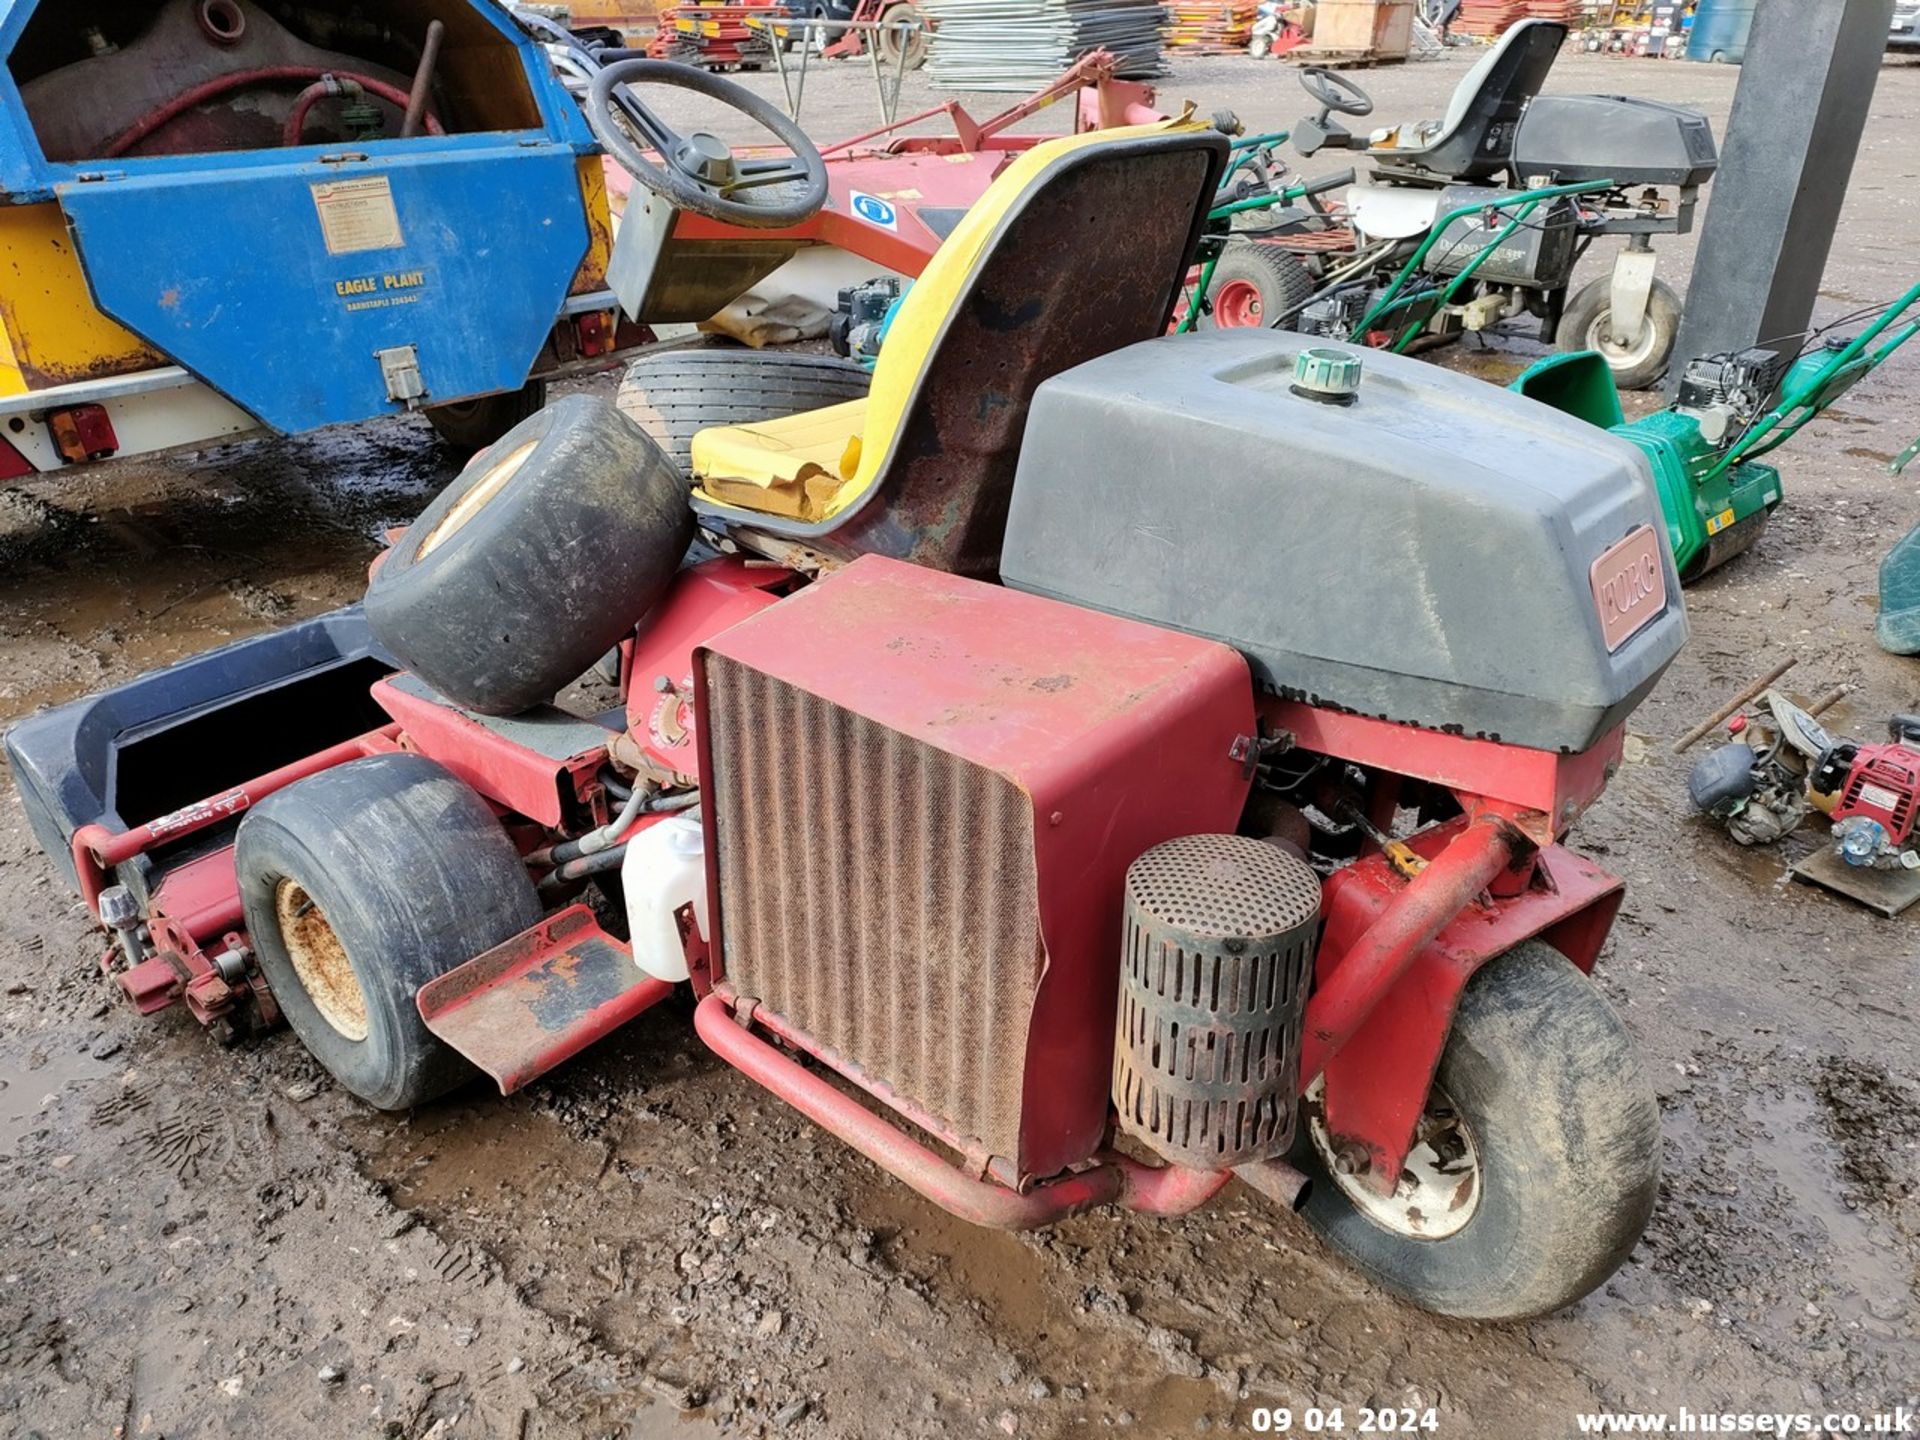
[{"x": 1330, "y": 376}]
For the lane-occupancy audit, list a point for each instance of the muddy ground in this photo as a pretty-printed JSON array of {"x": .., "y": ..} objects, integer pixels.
[{"x": 207, "y": 1242}]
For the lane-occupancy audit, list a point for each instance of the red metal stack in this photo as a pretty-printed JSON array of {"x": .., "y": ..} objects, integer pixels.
[
  {"x": 716, "y": 36},
  {"x": 1488, "y": 18},
  {"x": 1214, "y": 28},
  {"x": 665, "y": 44},
  {"x": 1562, "y": 10}
]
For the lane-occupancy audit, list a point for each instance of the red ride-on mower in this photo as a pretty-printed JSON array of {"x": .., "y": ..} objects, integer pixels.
[{"x": 1106, "y": 810}]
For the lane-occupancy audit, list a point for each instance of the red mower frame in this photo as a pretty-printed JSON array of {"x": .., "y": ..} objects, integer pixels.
[{"x": 1404, "y": 927}]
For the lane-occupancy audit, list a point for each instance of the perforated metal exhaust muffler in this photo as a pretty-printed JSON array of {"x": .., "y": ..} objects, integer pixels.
[{"x": 1215, "y": 968}]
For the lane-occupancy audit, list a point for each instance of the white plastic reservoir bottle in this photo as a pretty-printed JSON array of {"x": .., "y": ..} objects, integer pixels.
[{"x": 665, "y": 869}]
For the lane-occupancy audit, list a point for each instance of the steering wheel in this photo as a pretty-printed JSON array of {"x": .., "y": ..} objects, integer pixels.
[
  {"x": 698, "y": 172},
  {"x": 1335, "y": 91}
]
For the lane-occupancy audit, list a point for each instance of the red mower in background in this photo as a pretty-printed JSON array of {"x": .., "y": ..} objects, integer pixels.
[{"x": 1106, "y": 811}]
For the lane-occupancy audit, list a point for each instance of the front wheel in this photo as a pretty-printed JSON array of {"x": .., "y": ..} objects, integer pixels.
[
  {"x": 360, "y": 885},
  {"x": 1639, "y": 366},
  {"x": 1535, "y": 1166}
]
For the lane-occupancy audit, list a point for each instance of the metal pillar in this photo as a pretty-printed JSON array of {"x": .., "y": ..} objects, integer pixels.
[{"x": 1805, "y": 89}]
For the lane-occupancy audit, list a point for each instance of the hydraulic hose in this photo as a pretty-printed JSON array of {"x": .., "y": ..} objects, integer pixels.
[
  {"x": 595, "y": 842},
  {"x": 582, "y": 868},
  {"x": 213, "y": 89},
  {"x": 335, "y": 84}
]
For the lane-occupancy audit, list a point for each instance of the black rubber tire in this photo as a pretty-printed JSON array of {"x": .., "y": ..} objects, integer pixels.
[
  {"x": 1283, "y": 279},
  {"x": 1549, "y": 1083},
  {"x": 676, "y": 393},
  {"x": 1591, "y": 305},
  {"x": 889, "y": 43},
  {"x": 515, "y": 580},
  {"x": 472, "y": 425},
  {"x": 414, "y": 876}
]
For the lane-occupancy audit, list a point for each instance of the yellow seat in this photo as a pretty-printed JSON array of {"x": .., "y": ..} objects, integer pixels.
[{"x": 1077, "y": 249}]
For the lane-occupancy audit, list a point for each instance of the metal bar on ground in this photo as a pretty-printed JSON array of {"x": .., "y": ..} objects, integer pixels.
[{"x": 1687, "y": 740}]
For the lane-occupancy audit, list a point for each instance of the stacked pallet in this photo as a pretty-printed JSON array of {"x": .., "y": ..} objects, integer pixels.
[
  {"x": 1488, "y": 18},
  {"x": 1565, "y": 11},
  {"x": 1211, "y": 29},
  {"x": 1023, "y": 44}
]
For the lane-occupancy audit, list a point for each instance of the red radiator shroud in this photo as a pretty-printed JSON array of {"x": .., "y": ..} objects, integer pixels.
[{"x": 923, "y": 794}]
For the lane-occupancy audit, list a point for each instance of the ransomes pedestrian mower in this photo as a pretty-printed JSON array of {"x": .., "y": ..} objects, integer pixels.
[
  {"x": 1040, "y": 783},
  {"x": 1707, "y": 447}
]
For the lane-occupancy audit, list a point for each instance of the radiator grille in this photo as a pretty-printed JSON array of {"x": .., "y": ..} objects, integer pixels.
[{"x": 878, "y": 893}]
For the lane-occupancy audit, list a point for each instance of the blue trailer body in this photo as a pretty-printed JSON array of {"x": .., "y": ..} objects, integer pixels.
[{"x": 289, "y": 280}]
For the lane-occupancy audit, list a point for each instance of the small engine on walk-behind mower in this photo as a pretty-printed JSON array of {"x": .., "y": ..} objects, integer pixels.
[{"x": 1125, "y": 865}]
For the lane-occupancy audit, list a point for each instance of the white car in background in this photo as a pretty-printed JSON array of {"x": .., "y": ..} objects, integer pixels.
[{"x": 1905, "y": 34}]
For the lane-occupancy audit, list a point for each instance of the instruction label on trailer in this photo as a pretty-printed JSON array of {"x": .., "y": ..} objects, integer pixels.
[
  {"x": 874, "y": 210},
  {"x": 358, "y": 215}
]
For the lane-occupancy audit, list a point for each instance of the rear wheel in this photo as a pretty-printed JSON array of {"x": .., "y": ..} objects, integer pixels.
[
  {"x": 472, "y": 425},
  {"x": 360, "y": 885},
  {"x": 675, "y": 394},
  {"x": 1536, "y": 1163},
  {"x": 1256, "y": 286},
  {"x": 1584, "y": 325}
]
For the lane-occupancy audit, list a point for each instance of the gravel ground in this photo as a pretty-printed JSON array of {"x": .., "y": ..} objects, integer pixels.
[{"x": 207, "y": 1242}]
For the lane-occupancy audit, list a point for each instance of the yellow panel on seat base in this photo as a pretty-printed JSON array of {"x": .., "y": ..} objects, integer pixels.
[{"x": 793, "y": 467}]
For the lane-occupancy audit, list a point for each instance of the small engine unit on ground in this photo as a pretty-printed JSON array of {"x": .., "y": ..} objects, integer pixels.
[
  {"x": 1213, "y": 989},
  {"x": 1874, "y": 813}
]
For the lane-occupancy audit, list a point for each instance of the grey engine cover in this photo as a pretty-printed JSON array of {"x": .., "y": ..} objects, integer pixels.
[
  {"x": 1424, "y": 555},
  {"x": 1631, "y": 141}
]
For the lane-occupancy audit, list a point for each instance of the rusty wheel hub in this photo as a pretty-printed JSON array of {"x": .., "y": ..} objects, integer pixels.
[{"x": 320, "y": 960}]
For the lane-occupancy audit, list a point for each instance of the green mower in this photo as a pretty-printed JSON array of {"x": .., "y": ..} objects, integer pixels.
[{"x": 1706, "y": 447}]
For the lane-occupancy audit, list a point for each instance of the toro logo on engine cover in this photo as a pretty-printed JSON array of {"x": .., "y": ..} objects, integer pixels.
[{"x": 1629, "y": 587}]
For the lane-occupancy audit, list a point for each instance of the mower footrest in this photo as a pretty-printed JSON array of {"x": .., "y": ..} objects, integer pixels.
[{"x": 541, "y": 998}]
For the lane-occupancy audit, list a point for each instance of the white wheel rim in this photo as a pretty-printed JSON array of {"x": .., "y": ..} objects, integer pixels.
[
  {"x": 1440, "y": 1181},
  {"x": 476, "y": 498},
  {"x": 320, "y": 961},
  {"x": 1622, "y": 357}
]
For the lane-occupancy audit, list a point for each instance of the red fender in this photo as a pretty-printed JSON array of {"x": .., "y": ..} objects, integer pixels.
[{"x": 1377, "y": 1082}]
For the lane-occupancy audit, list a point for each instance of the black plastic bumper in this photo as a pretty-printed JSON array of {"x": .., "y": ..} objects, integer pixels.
[{"x": 146, "y": 748}]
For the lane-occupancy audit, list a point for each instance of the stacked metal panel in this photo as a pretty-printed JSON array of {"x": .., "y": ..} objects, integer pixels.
[{"x": 1022, "y": 44}]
